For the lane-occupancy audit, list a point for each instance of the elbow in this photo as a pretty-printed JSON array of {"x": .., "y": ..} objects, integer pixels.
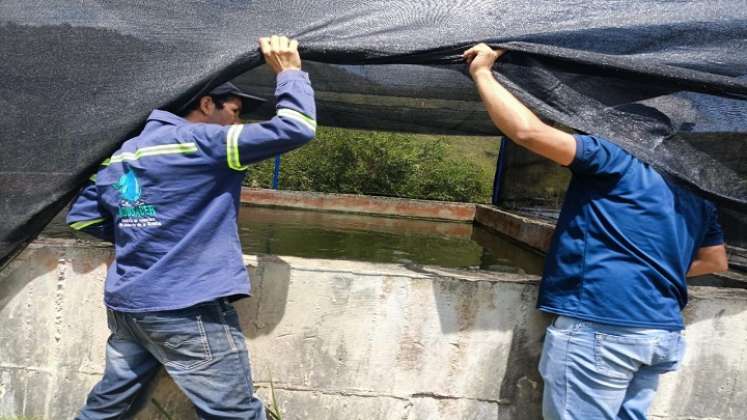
[
  {"x": 722, "y": 262},
  {"x": 723, "y": 266},
  {"x": 300, "y": 128},
  {"x": 528, "y": 131},
  {"x": 522, "y": 137},
  {"x": 525, "y": 136},
  {"x": 718, "y": 265},
  {"x": 307, "y": 135},
  {"x": 301, "y": 135}
]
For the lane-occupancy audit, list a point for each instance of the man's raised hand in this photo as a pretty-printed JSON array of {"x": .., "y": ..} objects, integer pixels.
[
  {"x": 481, "y": 58},
  {"x": 280, "y": 53}
]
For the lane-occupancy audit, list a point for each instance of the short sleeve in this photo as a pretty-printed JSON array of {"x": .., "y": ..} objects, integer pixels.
[
  {"x": 598, "y": 156},
  {"x": 713, "y": 234}
]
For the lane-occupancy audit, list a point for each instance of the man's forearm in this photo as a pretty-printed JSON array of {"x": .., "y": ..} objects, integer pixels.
[
  {"x": 512, "y": 117},
  {"x": 701, "y": 268},
  {"x": 520, "y": 124},
  {"x": 709, "y": 259}
]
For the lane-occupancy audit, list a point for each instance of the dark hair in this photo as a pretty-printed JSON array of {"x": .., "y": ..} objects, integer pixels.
[{"x": 219, "y": 100}]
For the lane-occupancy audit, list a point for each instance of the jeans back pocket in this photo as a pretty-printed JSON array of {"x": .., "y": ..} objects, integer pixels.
[
  {"x": 181, "y": 341},
  {"x": 621, "y": 356}
]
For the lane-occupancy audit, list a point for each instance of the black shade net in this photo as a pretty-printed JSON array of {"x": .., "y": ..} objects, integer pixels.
[{"x": 666, "y": 80}]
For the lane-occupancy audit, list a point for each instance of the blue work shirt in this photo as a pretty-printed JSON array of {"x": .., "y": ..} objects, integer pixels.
[
  {"x": 169, "y": 199},
  {"x": 624, "y": 241}
]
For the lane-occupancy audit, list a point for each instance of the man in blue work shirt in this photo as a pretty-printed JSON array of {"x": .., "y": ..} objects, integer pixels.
[
  {"x": 168, "y": 199},
  {"x": 625, "y": 241}
]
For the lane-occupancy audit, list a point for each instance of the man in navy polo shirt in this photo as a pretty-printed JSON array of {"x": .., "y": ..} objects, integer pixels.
[
  {"x": 168, "y": 199},
  {"x": 626, "y": 239}
]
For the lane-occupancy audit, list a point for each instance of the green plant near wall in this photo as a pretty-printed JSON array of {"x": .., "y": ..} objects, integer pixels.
[
  {"x": 379, "y": 163},
  {"x": 273, "y": 410},
  {"x": 161, "y": 410}
]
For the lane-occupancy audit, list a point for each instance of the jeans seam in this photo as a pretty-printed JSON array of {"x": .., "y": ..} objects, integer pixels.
[
  {"x": 229, "y": 336},
  {"x": 161, "y": 355},
  {"x": 244, "y": 362},
  {"x": 205, "y": 347},
  {"x": 598, "y": 355},
  {"x": 205, "y": 344},
  {"x": 247, "y": 370},
  {"x": 565, "y": 370}
]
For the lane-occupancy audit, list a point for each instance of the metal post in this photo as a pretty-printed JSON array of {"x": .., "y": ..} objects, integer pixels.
[
  {"x": 499, "y": 169},
  {"x": 276, "y": 174}
]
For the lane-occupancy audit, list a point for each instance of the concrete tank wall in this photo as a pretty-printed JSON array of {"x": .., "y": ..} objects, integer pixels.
[{"x": 348, "y": 340}]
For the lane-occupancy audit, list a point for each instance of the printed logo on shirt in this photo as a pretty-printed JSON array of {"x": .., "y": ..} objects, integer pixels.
[{"x": 133, "y": 211}]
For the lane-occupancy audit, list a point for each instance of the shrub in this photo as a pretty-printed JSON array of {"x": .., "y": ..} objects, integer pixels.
[{"x": 377, "y": 163}]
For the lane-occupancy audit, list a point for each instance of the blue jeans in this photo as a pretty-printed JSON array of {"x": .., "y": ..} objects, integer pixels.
[
  {"x": 201, "y": 347},
  {"x": 599, "y": 371}
]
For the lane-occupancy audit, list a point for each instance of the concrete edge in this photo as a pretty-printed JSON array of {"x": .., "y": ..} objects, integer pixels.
[
  {"x": 531, "y": 232},
  {"x": 698, "y": 290},
  {"x": 414, "y": 271},
  {"x": 360, "y": 204}
]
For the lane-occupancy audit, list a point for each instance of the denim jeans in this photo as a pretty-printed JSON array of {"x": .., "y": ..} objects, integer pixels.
[
  {"x": 599, "y": 371},
  {"x": 201, "y": 347}
]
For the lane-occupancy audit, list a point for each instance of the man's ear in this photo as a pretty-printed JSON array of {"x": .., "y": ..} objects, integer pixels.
[{"x": 207, "y": 106}]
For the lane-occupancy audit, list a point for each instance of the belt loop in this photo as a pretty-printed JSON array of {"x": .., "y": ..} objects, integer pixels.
[
  {"x": 223, "y": 304},
  {"x": 580, "y": 324}
]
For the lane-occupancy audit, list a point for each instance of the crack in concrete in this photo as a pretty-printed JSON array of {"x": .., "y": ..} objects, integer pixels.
[
  {"x": 375, "y": 394},
  {"x": 453, "y": 397},
  {"x": 59, "y": 299},
  {"x": 47, "y": 370}
]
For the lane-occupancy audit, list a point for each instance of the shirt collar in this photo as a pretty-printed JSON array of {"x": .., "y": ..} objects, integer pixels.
[{"x": 166, "y": 117}]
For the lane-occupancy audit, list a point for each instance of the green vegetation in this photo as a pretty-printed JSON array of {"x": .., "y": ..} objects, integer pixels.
[
  {"x": 340, "y": 160},
  {"x": 161, "y": 410},
  {"x": 273, "y": 411}
]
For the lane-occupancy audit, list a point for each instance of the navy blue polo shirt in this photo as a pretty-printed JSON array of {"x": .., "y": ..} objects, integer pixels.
[
  {"x": 169, "y": 198},
  {"x": 625, "y": 239}
]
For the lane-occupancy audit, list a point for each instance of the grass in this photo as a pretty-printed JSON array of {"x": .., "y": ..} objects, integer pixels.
[
  {"x": 480, "y": 150},
  {"x": 273, "y": 411},
  {"x": 407, "y": 165},
  {"x": 160, "y": 408}
]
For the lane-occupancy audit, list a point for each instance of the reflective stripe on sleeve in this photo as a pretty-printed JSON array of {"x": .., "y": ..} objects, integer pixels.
[
  {"x": 232, "y": 148},
  {"x": 297, "y": 116},
  {"x": 164, "y": 149},
  {"x": 85, "y": 223}
]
